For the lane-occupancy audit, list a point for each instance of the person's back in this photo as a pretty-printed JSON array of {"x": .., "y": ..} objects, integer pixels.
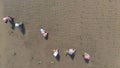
[
  {"x": 7, "y": 19},
  {"x": 17, "y": 25},
  {"x": 55, "y": 52},
  {"x": 42, "y": 30},
  {"x": 71, "y": 51},
  {"x": 86, "y": 56}
]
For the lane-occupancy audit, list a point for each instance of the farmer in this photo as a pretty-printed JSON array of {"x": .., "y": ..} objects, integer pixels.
[
  {"x": 70, "y": 52},
  {"x": 86, "y": 57},
  {"x": 43, "y": 32},
  {"x": 8, "y": 19},
  {"x": 56, "y": 53}
]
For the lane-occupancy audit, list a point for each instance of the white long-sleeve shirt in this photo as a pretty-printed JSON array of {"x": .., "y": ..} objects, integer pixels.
[{"x": 42, "y": 31}]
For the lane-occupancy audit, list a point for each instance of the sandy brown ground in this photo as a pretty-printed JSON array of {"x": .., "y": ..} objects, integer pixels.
[{"x": 86, "y": 25}]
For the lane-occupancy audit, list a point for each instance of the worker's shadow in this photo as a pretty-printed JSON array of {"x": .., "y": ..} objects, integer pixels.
[
  {"x": 12, "y": 22},
  {"x": 46, "y": 38},
  {"x": 58, "y": 57},
  {"x": 22, "y": 28},
  {"x": 72, "y": 56}
]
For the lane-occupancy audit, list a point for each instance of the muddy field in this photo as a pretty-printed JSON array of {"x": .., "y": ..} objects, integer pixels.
[{"x": 91, "y": 26}]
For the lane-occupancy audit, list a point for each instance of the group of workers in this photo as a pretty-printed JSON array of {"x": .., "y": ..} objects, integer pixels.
[
  {"x": 11, "y": 20},
  {"x": 70, "y": 52}
]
